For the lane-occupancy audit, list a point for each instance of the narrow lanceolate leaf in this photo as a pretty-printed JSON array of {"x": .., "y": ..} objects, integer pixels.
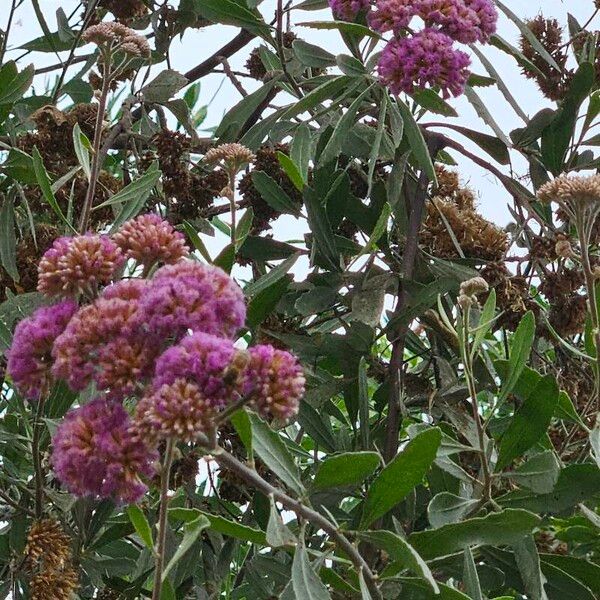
[
  {"x": 528, "y": 561},
  {"x": 417, "y": 142},
  {"x": 134, "y": 192},
  {"x": 271, "y": 449},
  {"x": 13, "y": 84},
  {"x": 401, "y": 475},
  {"x": 300, "y": 150},
  {"x": 8, "y": 240},
  {"x": 44, "y": 182},
  {"x": 350, "y": 468},
  {"x": 402, "y": 554},
  {"x": 273, "y": 276},
  {"x": 291, "y": 170},
  {"x": 278, "y": 533},
  {"x": 305, "y": 581},
  {"x": 530, "y": 421},
  {"x": 81, "y": 145},
  {"x": 324, "y": 245},
  {"x": 342, "y": 128},
  {"x": 273, "y": 194},
  {"x": 494, "y": 529},
  {"x": 470, "y": 576},
  {"x": 140, "y": 522},
  {"x": 520, "y": 348},
  {"x": 191, "y": 532},
  {"x": 447, "y": 508}
]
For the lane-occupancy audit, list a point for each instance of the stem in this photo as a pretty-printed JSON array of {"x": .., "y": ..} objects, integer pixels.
[
  {"x": 37, "y": 459},
  {"x": 468, "y": 365},
  {"x": 226, "y": 460},
  {"x": 162, "y": 520},
  {"x": 233, "y": 408},
  {"x": 232, "y": 205},
  {"x": 96, "y": 158}
]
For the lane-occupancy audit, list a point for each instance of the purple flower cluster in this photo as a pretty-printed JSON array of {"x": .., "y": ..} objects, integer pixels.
[
  {"x": 348, "y": 10},
  {"x": 428, "y": 57},
  {"x": 97, "y": 452},
  {"x": 30, "y": 355},
  {"x": 275, "y": 380},
  {"x": 165, "y": 342},
  {"x": 191, "y": 296}
]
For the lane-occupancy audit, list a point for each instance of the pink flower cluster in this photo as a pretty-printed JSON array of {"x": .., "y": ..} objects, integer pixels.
[
  {"x": 97, "y": 452},
  {"x": 427, "y": 57},
  {"x": 164, "y": 342}
]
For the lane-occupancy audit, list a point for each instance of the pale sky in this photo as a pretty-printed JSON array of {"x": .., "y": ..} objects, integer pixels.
[{"x": 199, "y": 44}]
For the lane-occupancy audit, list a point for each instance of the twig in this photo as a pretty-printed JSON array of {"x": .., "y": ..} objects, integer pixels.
[
  {"x": 162, "y": 520},
  {"x": 228, "y": 461},
  {"x": 234, "y": 80},
  {"x": 37, "y": 459},
  {"x": 10, "y": 502},
  {"x": 11, "y": 15}
]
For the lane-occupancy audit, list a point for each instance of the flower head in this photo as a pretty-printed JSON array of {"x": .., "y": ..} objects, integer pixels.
[
  {"x": 425, "y": 59},
  {"x": 276, "y": 381},
  {"x": 78, "y": 265},
  {"x": 348, "y": 10},
  {"x": 180, "y": 410},
  {"x": 571, "y": 189},
  {"x": 97, "y": 452},
  {"x": 190, "y": 295},
  {"x": 474, "y": 286},
  {"x": 392, "y": 15},
  {"x": 30, "y": 355},
  {"x": 465, "y": 21},
  {"x": 104, "y": 342},
  {"x": 56, "y": 584},
  {"x": 148, "y": 239},
  {"x": 47, "y": 544},
  {"x": 118, "y": 36},
  {"x": 233, "y": 156}
]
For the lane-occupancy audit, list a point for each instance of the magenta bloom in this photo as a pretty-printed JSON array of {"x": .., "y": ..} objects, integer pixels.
[
  {"x": 29, "y": 357},
  {"x": 392, "y": 15},
  {"x": 276, "y": 380},
  {"x": 79, "y": 264},
  {"x": 96, "y": 452},
  {"x": 190, "y": 295},
  {"x": 104, "y": 343},
  {"x": 202, "y": 359},
  {"x": 465, "y": 21},
  {"x": 347, "y": 10},
  {"x": 425, "y": 59}
]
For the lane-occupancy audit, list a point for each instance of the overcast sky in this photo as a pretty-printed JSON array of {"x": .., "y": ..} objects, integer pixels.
[{"x": 199, "y": 44}]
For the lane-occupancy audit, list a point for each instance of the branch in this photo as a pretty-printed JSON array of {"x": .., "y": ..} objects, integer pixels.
[{"x": 228, "y": 461}]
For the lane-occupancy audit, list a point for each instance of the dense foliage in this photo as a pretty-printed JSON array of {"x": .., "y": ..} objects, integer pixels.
[{"x": 400, "y": 404}]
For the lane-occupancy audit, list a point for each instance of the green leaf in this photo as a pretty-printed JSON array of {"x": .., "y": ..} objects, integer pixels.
[
  {"x": 495, "y": 147},
  {"x": 44, "y": 183},
  {"x": 324, "y": 242},
  {"x": 363, "y": 403},
  {"x": 324, "y": 92},
  {"x": 270, "y": 278},
  {"x": 401, "y": 475},
  {"x": 402, "y": 553},
  {"x": 317, "y": 426},
  {"x": 556, "y": 137},
  {"x": 342, "y": 128},
  {"x": 300, "y": 151},
  {"x": 530, "y": 421},
  {"x": 291, "y": 170},
  {"x": 305, "y": 582},
  {"x": 528, "y": 562},
  {"x": 234, "y": 12},
  {"x": 348, "y": 469},
  {"x": 446, "y": 508},
  {"x": 136, "y": 190},
  {"x": 378, "y": 231},
  {"x": 82, "y": 146},
  {"x": 416, "y": 141},
  {"x": 13, "y": 84},
  {"x": 191, "y": 531},
  {"x": 163, "y": 87},
  {"x": 494, "y": 529},
  {"x": 273, "y": 194},
  {"x": 470, "y": 577},
  {"x": 350, "y": 65},
  {"x": 539, "y": 474},
  {"x": 431, "y": 100},
  {"x": 351, "y": 28},
  {"x": 521, "y": 344},
  {"x": 243, "y": 427},
  {"x": 199, "y": 245},
  {"x": 278, "y": 533},
  {"x": 486, "y": 321},
  {"x": 311, "y": 55},
  {"x": 140, "y": 522},
  {"x": 8, "y": 240},
  {"x": 576, "y": 483},
  {"x": 482, "y": 110},
  {"x": 274, "y": 453},
  {"x": 235, "y": 530}
]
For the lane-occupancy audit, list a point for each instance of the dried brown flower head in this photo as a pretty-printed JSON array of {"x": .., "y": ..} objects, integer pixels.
[
  {"x": 125, "y": 10},
  {"x": 48, "y": 546},
  {"x": 552, "y": 82},
  {"x": 54, "y": 585}
]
